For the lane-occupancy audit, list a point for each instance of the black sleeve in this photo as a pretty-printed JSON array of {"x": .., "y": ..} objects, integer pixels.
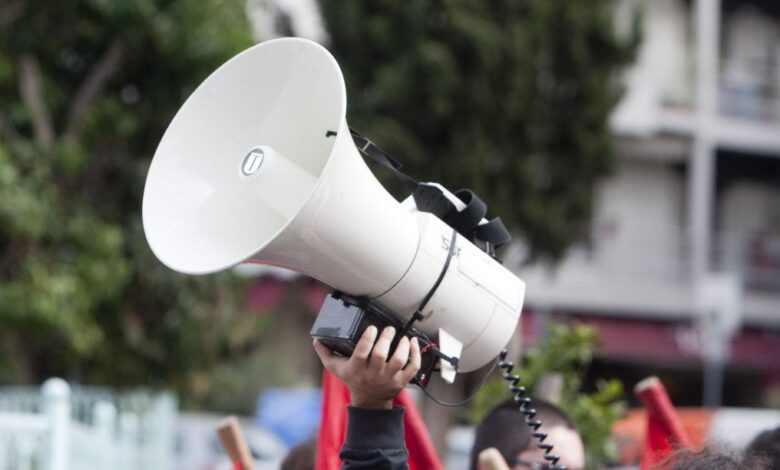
[{"x": 375, "y": 440}]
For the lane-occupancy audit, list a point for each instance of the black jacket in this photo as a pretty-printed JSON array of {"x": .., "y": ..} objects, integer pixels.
[{"x": 375, "y": 440}]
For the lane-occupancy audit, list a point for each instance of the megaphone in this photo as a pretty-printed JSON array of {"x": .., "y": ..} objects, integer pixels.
[{"x": 259, "y": 166}]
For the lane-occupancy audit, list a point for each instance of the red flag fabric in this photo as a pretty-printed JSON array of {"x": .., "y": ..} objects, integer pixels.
[
  {"x": 333, "y": 428},
  {"x": 665, "y": 432},
  {"x": 333, "y": 422},
  {"x": 422, "y": 454}
]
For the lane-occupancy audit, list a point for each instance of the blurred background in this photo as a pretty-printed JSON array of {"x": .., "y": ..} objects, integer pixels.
[{"x": 633, "y": 147}]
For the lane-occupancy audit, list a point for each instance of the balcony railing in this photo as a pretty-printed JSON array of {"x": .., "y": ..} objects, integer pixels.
[
  {"x": 746, "y": 89},
  {"x": 749, "y": 89},
  {"x": 665, "y": 254}
]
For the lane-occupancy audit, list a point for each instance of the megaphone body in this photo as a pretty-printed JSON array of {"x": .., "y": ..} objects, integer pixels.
[{"x": 259, "y": 166}]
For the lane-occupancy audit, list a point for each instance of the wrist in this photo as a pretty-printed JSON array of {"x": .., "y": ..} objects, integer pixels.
[{"x": 371, "y": 403}]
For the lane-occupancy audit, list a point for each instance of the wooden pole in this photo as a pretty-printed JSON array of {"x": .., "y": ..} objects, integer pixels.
[{"x": 234, "y": 443}]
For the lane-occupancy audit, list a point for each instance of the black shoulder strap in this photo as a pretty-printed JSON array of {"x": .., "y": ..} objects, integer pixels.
[
  {"x": 372, "y": 151},
  {"x": 429, "y": 198}
]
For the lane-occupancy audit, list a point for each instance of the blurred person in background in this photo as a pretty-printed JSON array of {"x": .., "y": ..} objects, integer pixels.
[
  {"x": 712, "y": 459},
  {"x": 504, "y": 429},
  {"x": 301, "y": 456},
  {"x": 767, "y": 446}
]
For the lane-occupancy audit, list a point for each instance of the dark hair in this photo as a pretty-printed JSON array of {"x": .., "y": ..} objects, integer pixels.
[
  {"x": 708, "y": 459},
  {"x": 704, "y": 460},
  {"x": 301, "y": 456},
  {"x": 504, "y": 428},
  {"x": 767, "y": 446}
]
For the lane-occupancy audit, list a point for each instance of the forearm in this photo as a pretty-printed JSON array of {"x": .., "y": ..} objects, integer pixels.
[{"x": 374, "y": 440}]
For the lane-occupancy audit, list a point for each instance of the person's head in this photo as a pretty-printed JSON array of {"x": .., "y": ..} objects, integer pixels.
[
  {"x": 709, "y": 459},
  {"x": 505, "y": 429},
  {"x": 766, "y": 445},
  {"x": 301, "y": 456},
  {"x": 704, "y": 460}
]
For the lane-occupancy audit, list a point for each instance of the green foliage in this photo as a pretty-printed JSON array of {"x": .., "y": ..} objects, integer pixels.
[
  {"x": 87, "y": 87},
  {"x": 567, "y": 350},
  {"x": 510, "y": 98}
]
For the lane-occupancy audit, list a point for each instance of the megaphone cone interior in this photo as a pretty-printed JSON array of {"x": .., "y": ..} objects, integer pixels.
[
  {"x": 202, "y": 211},
  {"x": 243, "y": 155}
]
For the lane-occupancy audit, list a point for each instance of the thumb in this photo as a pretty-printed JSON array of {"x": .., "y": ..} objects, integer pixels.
[{"x": 329, "y": 359}]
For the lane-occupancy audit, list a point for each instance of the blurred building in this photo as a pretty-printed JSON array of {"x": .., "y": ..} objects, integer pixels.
[{"x": 684, "y": 259}]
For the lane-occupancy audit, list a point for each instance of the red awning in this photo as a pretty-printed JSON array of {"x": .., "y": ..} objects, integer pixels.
[{"x": 667, "y": 341}]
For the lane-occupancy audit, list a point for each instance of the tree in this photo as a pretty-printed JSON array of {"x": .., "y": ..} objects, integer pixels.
[
  {"x": 510, "y": 98},
  {"x": 87, "y": 89}
]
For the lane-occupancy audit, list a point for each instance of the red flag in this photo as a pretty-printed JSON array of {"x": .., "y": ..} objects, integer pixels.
[
  {"x": 665, "y": 432},
  {"x": 333, "y": 428},
  {"x": 333, "y": 422}
]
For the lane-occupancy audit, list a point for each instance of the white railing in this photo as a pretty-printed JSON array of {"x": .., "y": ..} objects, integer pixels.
[
  {"x": 746, "y": 89},
  {"x": 21, "y": 440},
  {"x": 665, "y": 254},
  {"x": 641, "y": 251},
  {"x": 58, "y": 427},
  {"x": 749, "y": 89}
]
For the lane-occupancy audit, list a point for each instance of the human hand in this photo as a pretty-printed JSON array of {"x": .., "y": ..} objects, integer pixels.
[
  {"x": 491, "y": 459},
  {"x": 373, "y": 379}
]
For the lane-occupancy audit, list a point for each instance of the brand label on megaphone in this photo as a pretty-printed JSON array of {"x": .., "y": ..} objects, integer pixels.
[{"x": 252, "y": 162}]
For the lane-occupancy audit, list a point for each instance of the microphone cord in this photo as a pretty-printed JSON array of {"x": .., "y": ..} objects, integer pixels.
[
  {"x": 518, "y": 398},
  {"x": 523, "y": 402},
  {"x": 461, "y": 403}
]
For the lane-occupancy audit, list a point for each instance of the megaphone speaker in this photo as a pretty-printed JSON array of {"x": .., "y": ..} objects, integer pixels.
[{"x": 259, "y": 166}]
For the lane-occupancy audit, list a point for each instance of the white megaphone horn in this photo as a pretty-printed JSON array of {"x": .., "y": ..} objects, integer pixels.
[{"x": 259, "y": 166}]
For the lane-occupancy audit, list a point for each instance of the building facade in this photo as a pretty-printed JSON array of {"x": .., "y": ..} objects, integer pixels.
[{"x": 682, "y": 271}]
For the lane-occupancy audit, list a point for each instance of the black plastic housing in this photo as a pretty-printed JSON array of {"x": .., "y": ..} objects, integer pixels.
[{"x": 343, "y": 319}]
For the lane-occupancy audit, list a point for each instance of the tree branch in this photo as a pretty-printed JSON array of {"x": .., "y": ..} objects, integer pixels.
[
  {"x": 31, "y": 89},
  {"x": 90, "y": 89}
]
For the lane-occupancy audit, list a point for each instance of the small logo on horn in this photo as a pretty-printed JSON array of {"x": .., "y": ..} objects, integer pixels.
[{"x": 252, "y": 162}]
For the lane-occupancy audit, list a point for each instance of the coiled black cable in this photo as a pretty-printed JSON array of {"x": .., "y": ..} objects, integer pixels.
[{"x": 523, "y": 402}]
